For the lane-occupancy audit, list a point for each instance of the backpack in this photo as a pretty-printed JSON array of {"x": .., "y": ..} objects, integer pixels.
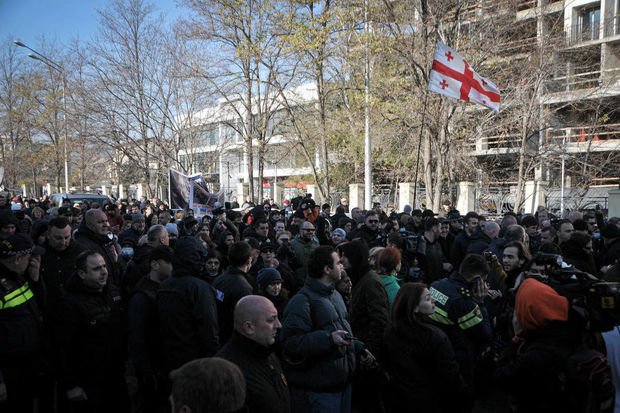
[{"x": 589, "y": 382}]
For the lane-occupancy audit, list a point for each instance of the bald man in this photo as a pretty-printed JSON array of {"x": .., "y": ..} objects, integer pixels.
[
  {"x": 303, "y": 244},
  {"x": 95, "y": 234},
  {"x": 480, "y": 241},
  {"x": 251, "y": 348}
]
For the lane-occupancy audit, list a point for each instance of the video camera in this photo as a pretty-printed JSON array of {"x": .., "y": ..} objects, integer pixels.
[
  {"x": 596, "y": 303},
  {"x": 413, "y": 242}
]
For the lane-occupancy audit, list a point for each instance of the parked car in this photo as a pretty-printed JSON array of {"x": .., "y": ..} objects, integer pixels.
[{"x": 79, "y": 198}]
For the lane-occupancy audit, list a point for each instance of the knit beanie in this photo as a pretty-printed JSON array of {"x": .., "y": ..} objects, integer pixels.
[
  {"x": 537, "y": 305},
  {"x": 266, "y": 276},
  {"x": 340, "y": 231}
]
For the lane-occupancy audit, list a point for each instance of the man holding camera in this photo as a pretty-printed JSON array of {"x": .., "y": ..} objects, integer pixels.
[{"x": 317, "y": 343}]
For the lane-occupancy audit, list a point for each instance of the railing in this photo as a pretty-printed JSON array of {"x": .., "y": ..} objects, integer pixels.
[
  {"x": 532, "y": 4},
  {"x": 575, "y": 81},
  {"x": 494, "y": 142},
  {"x": 612, "y": 27},
  {"x": 586, "y": 77},
  {"x": 517, "y": 46},
  {"x": 480, "y": 8},
  {"x": 583, "y": 134}
]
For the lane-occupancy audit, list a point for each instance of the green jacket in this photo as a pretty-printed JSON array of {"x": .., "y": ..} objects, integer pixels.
[{"x": 391, "y": 288}]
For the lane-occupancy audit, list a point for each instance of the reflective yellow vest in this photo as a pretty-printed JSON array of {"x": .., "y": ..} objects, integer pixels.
[{"x": 17, "y": 297}]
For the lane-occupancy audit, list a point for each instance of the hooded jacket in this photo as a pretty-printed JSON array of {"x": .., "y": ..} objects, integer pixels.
[
  {"x": 537, "y": 305},
  {"x": 187, "y": 309}
]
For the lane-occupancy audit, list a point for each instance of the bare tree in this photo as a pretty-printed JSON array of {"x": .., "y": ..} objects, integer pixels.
[
  {"x": 127, "y": 59},
  {"x": 240, "y": 36}
]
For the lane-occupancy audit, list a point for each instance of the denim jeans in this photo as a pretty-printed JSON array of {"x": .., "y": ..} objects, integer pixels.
[{"x": 312, "y": 402}]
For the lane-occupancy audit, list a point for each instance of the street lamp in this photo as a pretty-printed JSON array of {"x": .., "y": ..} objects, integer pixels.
[{"x": 55, "y": 66}]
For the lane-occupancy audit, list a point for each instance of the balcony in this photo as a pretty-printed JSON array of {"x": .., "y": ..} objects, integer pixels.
[
  {"x": 580, "y": 139},
  {"x": 528, "y": 9},
  {"x": 517, "y": 47},
  {"x": 585, "y": 82},
  {"x": 503, "y": 144},
  {"x": 584, "y": 77}
]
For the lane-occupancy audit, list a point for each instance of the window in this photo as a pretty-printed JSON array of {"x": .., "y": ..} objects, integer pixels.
[
  {"x": 590, "y": 22},
  {"x": 277, "y": 123},
  {"x": 228, "y": 133},
  {"x": 210, "y": 135}
]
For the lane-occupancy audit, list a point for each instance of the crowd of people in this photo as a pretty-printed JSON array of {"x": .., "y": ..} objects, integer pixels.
[{"x": 130, "y": 306}]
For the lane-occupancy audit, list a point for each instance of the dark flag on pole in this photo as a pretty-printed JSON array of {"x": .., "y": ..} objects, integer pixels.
[{"x": 191, "y": 192}]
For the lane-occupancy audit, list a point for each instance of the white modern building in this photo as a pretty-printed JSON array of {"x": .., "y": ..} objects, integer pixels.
[{"x": 220, "y": 153}]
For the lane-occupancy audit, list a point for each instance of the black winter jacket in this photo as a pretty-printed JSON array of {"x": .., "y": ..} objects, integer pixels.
[
  {"x": 143, "y": 324},
  {"x": 57, "y": 267},
  {"x": 425, "y": 374},
  {"x": 534, "y": 377},
  {"x": 267, "y": 389},
  {"x": 234, "y": 285},
  {"x": 369, "y": 310},
  {"x": 188, "y": 317},
  {"x": 90, "y": 331},
  {"x": 137, "y": 267}
]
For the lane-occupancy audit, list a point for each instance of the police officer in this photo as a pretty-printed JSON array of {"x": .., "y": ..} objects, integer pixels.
[
  {"x": 460, "y": 311},
  {"x": 20, "y": 323}
]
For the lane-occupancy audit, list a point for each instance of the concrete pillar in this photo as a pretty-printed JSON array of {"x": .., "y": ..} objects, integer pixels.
[
  {"x": 121, "y": 191},
  {"x": 356, "y": 196},
  {"x": 106, "y": 190},
  {"x": 24, "y": 190},
  {"x": 405, "y": 195},
  {"x": 276, "y": 193},
  {"x": 139, "y": 191},
  {"x": 242, "y": 192},
  {"x": 48, "y": 189},
  {"x": 614, "y": 203},
  {"x": 534, "y": 196},
  {"x": 311, "y": 189},
  {"x": 466, "y": 197}
]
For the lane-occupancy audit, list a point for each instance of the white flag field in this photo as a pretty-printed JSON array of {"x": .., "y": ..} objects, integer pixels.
[{"x": 452, "y": 76}]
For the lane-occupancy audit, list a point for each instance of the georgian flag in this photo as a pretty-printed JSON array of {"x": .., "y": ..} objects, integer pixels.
[{"x": 452, "y": 76}]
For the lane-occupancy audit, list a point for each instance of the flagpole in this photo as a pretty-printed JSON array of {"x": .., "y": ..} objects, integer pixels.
[{"x": 367, "y": 147}]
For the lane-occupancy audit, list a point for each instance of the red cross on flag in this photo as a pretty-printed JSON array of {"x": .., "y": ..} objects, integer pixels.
[{"x": 452, "y": 76}]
